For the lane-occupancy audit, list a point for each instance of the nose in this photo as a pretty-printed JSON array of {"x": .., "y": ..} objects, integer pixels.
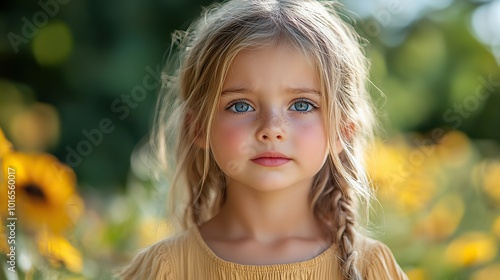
[{"x": 272, "y": 129}]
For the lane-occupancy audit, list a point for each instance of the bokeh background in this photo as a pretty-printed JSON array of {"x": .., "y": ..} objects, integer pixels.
[{"x": 78, "y": 84}]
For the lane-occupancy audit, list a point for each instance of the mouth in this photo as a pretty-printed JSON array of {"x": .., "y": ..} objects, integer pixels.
[{"x": 271, "y": 159}]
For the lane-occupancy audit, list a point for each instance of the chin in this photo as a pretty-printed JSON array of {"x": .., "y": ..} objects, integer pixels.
[
  {"x": 270, "y": 189},
  {"x": 269, "y": 186}
]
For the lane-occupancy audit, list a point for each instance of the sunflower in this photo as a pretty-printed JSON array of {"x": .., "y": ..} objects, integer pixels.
[
  {"x": 472, "y": 248},
  {"x": 489, "y": 272},
  {"x": 491, "y": 184},
  {"x": 4, "y": 247},
  {"x": 495, "y": 228},
  {"x": 59, "y": 252},
  {"x": 417, "y": 274},
  {"x": 5, "y": 145},
  {"x": 45, "y": 193},
  {"x": 444, "y": 218}
]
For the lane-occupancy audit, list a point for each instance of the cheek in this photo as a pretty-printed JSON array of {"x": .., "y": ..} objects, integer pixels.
[
  {"x": 311, "y": 137},
  {"x": 229, "y": 139}
]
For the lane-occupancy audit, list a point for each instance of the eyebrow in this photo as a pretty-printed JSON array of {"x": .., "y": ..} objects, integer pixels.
[{"x": 287, "y": 90}]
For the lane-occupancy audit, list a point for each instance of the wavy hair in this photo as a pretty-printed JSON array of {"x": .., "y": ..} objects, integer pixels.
[{"x": 190, "y": 94}]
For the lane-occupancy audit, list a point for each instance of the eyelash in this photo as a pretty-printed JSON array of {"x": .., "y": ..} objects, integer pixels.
[
  {"x": 308, "y": 101},
  {"x": 234, "y": 103}
]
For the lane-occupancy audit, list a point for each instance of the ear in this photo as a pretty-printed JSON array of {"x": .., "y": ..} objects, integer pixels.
[
  {"x": 347, "y": 130},
  {"x": 200, "y": 141},
  {"x": 195, "y": 130}
]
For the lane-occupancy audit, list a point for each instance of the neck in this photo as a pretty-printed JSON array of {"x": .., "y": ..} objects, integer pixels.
[{"x": 270, "y": 216}]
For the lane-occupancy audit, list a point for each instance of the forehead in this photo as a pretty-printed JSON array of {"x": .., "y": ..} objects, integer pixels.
[{"x": 278, "y": 65}]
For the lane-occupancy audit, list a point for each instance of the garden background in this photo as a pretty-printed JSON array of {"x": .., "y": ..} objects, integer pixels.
[{"x": 78, "y": 83}]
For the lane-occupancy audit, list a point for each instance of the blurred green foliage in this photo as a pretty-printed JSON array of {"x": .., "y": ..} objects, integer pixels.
[{"x": 80, "y": 57}]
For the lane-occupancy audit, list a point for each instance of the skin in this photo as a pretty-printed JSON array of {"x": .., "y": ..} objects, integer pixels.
[{"x": 266, "y": 218}]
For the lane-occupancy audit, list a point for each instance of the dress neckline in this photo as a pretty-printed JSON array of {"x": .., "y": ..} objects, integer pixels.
[{"x": 326, "y": 254}]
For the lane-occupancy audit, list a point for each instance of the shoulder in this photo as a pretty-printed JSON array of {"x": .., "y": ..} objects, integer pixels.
[
  {"x": 376, "y": 260},
  {"x": 155, "y": 261}
]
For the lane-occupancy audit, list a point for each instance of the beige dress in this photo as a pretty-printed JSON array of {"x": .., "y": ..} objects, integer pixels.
[{"x": 186, "y": 256}]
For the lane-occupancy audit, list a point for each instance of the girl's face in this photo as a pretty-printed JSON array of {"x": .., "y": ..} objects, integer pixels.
[{"x": 270, "y": 102}]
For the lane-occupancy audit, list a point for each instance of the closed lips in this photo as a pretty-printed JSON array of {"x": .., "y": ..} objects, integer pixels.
[
  {"x": 271, "y": 159},
  {"x": 271, "y": 155}
]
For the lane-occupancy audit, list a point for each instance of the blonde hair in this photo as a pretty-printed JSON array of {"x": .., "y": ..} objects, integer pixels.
[{"x": 187, "y": 107}]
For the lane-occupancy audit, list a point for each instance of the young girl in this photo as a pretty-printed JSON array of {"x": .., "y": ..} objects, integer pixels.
[{"x": 267, "y": 116}]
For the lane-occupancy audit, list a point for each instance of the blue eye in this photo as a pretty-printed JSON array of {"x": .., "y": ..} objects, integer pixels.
[
  {"x": 303, "y": 106},
  {"x": 240, "y": 107}
]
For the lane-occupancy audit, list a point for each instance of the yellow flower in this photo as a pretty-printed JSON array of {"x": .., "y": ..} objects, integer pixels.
[
  {"x": 455, "y": 149},
  {"x": 444, "y": 218},
  {"x": 417, "y": 274},
  {"x": 491, "y": 183},
  {"x": 471, "y": 249},
  {"x": 491, "y": 272},
  {"x": 45, "y": 194},
  {"x": 59, "y": 252},
  {"x": 496, "y": 227},
  {"x": 36, "y": 128},
  {"x": 401, "y": 174},
  {"x": 417, "y": 191},
  {"x": 5, "y": 145},
  {"x": 384, "y": 163},
  {"x": 4, "y": 247}
]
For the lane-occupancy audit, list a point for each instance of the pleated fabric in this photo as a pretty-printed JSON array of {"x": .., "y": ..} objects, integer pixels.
[{"x": 186, "y": 256}]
